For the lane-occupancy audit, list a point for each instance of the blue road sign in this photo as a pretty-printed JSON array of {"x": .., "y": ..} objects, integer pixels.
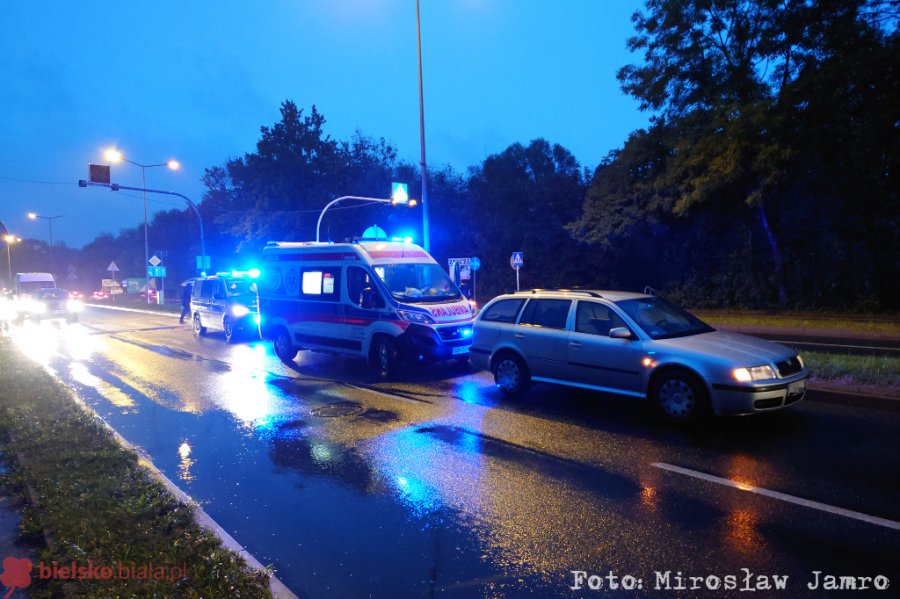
[
  {"x": 475, "y": 263},
  {"x": 516, "y": 261}
]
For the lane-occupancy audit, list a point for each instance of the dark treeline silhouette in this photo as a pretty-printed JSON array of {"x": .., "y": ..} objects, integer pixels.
[{"x": 768, "y": 177}]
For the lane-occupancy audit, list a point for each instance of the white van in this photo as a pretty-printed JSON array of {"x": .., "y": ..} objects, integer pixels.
[
  {"x": 27, "y": 283},
  {"x": 380, "y": 300}
]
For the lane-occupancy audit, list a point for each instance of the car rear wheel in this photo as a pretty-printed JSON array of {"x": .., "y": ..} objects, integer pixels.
[
  {"x": 284, "y": 347},
  {"x": 384, "y": 355},
  {"x": 228, "y": 326},
  {"x": 679, "y": 397},
  {"x": 199, "y": 329},
  {"x": 511, "y": 375}
]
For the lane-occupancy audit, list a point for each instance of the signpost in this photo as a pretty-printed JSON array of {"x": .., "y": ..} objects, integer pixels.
[
  {"x": 516, "y": 261},
  {"x": 114, "y": 288},
  {"x": 475, "y": 264},
  {"x": 465, "y": 268},
  {"x": 153, "y": 272}
]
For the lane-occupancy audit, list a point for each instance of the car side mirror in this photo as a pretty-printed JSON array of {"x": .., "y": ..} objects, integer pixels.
[{"x": 620, "y": 333}]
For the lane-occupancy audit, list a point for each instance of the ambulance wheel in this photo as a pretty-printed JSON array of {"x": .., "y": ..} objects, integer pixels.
[
  {"x": 283, "y": 346},
  {"x": 385, "y": 356},
  {"x": 199, "y": 329},
  {"x": 228, "y": 326}
]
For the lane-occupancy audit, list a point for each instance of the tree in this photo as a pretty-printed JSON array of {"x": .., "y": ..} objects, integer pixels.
[
  {"x": 278, "y": 191},
  {"x": 733, "y": 86}
]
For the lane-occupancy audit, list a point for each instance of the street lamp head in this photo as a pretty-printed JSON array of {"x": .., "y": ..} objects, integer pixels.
[
  {"x": 173, "y": 165},
  {"x": 32, "y": 215},
  {"x": 10, "y": 238},
  {"x": 113, "y": 155}
]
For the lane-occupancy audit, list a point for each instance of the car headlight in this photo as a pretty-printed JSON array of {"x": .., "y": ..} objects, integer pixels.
[
  {"x": 800, "y": 360},
  {"x": 755, "y": 373},
  {"x": 239, "y": 310},
  {"x": 74, "y": 305},
  {"x": 417, "y": 317}
]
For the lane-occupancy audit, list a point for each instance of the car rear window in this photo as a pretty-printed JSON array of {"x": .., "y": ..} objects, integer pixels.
[
  {"x": 503, "y": 311},
  {"x": 547, "y": 313}
]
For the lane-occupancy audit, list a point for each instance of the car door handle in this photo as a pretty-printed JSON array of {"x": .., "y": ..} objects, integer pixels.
[
  {"x": 520, "y": 335},
  {"x": 574, "y": 344}
]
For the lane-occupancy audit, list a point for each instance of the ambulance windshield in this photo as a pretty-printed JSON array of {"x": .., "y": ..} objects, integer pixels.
[{"x": 418, "y": 282}]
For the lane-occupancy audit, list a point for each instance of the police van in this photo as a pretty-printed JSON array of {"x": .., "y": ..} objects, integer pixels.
[
  {"x": 224, "y": 301},
  {"x": 383, "y": 301}
]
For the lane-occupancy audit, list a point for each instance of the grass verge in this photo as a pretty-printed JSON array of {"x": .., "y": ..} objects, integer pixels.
[
  {"x": 96, "y": 504},
  {"x": 886, "y": 325},
  {"x": 880, "y": 371}
]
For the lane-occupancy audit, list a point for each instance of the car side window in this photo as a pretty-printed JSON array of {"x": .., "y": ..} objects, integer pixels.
[
  {"x": 503, "y": 311},
  {"x": 546, "y": 313},
  {"x": 320, "y": 283},
  {"x": 206, "y": 292},
  {"x": 360, "y": 284},
  {"x": 595, "y": 318}
]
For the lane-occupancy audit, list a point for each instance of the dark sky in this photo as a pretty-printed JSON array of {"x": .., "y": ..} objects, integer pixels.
[{"x": 196, "y": 80}]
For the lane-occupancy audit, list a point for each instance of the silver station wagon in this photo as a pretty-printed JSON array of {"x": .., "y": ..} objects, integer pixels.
[{"x": 633, "y": 344}]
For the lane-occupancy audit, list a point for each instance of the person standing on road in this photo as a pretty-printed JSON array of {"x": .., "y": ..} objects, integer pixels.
[{"x": 186, "y": 300}]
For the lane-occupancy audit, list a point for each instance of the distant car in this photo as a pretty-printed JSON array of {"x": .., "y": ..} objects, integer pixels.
[
  {"x": 633, "y": 344},
  {"x": 100, "y": 295},
  {"x": 76, "y": 295},
  {"x": 48, "y": 304}
]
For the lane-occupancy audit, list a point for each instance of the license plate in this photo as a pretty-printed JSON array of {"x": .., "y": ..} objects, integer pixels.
[
  {"x": 462, "y": 349},
  {"x": 797, "y": 387}
]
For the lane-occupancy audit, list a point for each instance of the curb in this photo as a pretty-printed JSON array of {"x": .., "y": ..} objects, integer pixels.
[
  {"x": 278, "y": 589},
  {"x": 867, "y": 400}
]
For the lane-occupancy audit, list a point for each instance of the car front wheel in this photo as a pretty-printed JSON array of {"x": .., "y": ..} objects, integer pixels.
[
  {"x": 385, "y": 355},
  {"x": 678, "y": 396},
  {"x": 511, "y": 375},
  {"x": 228, "y": 326}
]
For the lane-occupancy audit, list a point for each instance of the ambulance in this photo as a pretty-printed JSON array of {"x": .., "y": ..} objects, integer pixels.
[{"x": 385, "y": 301}]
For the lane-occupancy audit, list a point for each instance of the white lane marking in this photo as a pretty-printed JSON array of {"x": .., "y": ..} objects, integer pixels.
[
  {"x": 800, "y": 342},
  {"x": 782, "y": 496}
]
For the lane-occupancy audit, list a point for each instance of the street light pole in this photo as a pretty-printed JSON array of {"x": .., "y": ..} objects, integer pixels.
[
  {"x": 10, "y": 239},
  {"x": 49, "y": 219},
  {"x": 410, "y": 203},
  {"x": 115, "y": 156},
  {"x": 117, "y": 187},
  {"x": 426, "y": 238}
]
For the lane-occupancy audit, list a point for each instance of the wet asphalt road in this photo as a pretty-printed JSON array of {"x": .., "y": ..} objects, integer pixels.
[{"x": 437, "y": 486}]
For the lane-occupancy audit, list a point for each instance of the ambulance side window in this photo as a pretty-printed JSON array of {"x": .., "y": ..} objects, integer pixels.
[
  {"x": 360, "y": 285},
  {"x": 321, "y": 284}
]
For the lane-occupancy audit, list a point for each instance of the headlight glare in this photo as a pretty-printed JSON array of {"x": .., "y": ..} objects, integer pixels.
[
  {"x": 755, "y": 373},
  {"x": 417, "y": 317},
  {"x": 239, "y": 310}
]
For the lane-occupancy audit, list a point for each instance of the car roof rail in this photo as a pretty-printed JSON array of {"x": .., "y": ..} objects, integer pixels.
[{"x": 588, "y": 292}]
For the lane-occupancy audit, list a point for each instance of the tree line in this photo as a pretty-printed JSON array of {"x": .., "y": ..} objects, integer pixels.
[{"x": 767, "y": 178}]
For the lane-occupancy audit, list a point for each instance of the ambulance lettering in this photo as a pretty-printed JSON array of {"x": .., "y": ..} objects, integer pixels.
[{"x": 454, "y": 310}]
